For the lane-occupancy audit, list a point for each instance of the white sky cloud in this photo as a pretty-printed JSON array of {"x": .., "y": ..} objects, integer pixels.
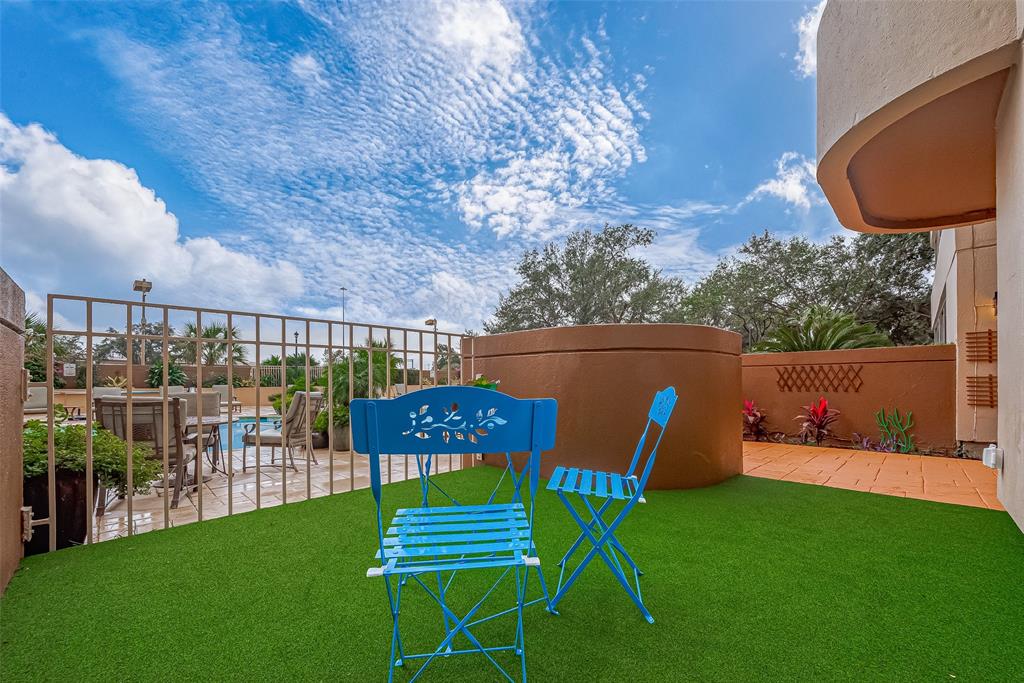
[
  {"x": 807, "y": 41},
  {"x": 432, "y": 107},
  {"x": 794, "y": 182},
  {"x": 88, "y": 226}
]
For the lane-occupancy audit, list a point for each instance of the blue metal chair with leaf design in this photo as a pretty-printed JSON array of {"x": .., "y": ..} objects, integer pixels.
[
  {"x": 424, "y": 543},
  {"x": 610, "y": 487}
]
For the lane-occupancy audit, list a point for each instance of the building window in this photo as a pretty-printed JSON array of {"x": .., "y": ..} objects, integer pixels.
[{"x": 939, "y": 326}]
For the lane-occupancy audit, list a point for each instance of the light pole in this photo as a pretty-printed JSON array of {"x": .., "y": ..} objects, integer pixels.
[
  {"x": 344, "y": 290},
  {"x": 431, "y": 322},
  {"x": 144, "y": 286}
]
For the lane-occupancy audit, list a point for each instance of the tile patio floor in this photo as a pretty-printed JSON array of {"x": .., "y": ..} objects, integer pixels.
[
  {"x": 148, "y": 510},
  {"x": 945, "y": 480}
]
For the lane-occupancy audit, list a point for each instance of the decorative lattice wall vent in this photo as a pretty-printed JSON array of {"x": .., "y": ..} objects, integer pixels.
[
  {"x": 982, "y": 391},
  {"x": 820, "y": 378},
  {"x": 982, "y": 346}
]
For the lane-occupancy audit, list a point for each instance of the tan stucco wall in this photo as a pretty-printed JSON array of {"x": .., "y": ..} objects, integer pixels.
[
  {"x": 12, "y": 320},
  {"x": 892, "y": 78},
  {"x": 871, "y": 52},
  {"x": 604, "y": 377},
  {"x": 1010, "y": 209},
  {"x": 918, "y": 379},
  {"x": 965, "y": 268}
]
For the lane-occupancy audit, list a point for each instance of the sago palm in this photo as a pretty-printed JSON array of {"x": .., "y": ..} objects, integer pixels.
[{"x": 820, "y": 329}]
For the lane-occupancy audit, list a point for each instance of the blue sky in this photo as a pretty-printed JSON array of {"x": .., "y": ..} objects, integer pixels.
[{"x": 262, "y": 155}]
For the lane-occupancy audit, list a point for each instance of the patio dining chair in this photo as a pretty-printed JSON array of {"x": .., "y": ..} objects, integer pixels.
[
  {"x": 422, "y": 544},
  {"x": 609, "y": 487},
  {"x": 147, "y": 421},
  {"x": 289, "y": 434}
]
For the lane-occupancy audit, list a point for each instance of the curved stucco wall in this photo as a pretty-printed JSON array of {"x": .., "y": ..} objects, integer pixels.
[
  {"x": 604, "y": 377},
  {"x": 882, "y": 62}
]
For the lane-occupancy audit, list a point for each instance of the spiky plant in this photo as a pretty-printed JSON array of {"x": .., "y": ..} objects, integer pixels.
[{"x": 820, "y": 329}]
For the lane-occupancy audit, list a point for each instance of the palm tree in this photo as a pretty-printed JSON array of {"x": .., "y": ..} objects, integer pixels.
[
  {"x": 214, "y": 353},
  {"x": 820, "y": 329}
]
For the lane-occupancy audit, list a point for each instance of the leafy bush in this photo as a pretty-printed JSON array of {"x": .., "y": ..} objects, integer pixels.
[
  {"x": 108, "y": 456},
  {"x": 866, "y": 443},
  {"x": 175, "y": 375},
  {"x": 484, "y": 383},
  {"x": 816, "y": 421},
  {"x": 236, "y": 381},
  {"x": 895, "y": 429},
  {"x": 820, "y": 329},
  {"x": 340, "y": 418},
  {"x": 754, "y": 420}
]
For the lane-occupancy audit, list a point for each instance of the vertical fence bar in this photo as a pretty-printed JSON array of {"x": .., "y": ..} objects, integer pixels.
[
  {"x": 448, "y": 381},
  {"x": 229, "y": 463},
  {"x": 351, "y": 395},
  {"x": 259, "y": 418},
  {"x": 405, "y": 381},
  {"x": 330, "y": 408},
  {"x": 284, "y": 409},
  {"x": 51, "y": 459},
  {"x": 165, "y": 355},
  {"x": 419, "y": 376},
  {"x": 199, "y": 412},
  {"x": 308, "y": 422},
  {"x": 90, "y": 507},
  {"x": 130, "y": 428}
]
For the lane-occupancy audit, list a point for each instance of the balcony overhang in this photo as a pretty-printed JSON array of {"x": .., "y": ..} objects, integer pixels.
[{"x": 906, "y": 144}]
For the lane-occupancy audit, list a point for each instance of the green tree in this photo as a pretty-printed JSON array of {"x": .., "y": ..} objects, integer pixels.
[
  {"x": 594, "y": 278},
  {"x": 820, "y": 329},
  {"x": 175, "y": 375},
  {"x": 213, "y": 352},
  {"x": 65, "y": 348},
  {"x": 115, "y": 348},
  {"x": 884, "y": 280}
]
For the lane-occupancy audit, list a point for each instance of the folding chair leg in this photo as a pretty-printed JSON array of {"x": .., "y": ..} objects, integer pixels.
[
  {"x": 520, "y": 636},
  {"x": 598, "y": 549},
  {"x": 394, "y": 602}
]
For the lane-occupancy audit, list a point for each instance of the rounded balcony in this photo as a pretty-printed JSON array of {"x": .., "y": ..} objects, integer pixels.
[{"x": 908, "y": 96}]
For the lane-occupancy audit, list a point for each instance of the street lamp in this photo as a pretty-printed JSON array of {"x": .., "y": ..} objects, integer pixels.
[
  {"x": 144, "y": 286},
  {"x": 431, "y": 322},
  {"x": 343, "y": 291}
]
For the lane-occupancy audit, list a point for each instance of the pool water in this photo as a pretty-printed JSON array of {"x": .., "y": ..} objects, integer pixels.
[{"x": 238, "y": 430}]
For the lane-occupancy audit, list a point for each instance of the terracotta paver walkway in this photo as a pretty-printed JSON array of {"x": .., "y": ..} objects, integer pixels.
[{"x": 946, "y": 480}]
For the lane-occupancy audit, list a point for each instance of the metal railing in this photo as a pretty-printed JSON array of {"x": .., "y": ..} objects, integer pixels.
[{"x": 348, "y": 349}]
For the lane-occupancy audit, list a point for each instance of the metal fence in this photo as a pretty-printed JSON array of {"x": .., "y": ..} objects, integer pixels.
[{"x": 357, "y": 359}]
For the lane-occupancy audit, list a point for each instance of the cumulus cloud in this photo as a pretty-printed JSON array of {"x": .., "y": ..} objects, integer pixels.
[
  {"x": 794, "y": 182},
  {"x": 308, "y": 69},
  {"x": 89, "y": 226},
  {"x": 807, "y": 41},
  {"x": 423, "y": 137},
  {"x": 482, "y": 31}
]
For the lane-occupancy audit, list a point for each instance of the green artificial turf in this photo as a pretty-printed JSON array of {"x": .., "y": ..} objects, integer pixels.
[{"x": 748, "y": 580}]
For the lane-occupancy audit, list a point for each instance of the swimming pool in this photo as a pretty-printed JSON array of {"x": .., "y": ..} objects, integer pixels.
[{"x": 238, "y": 430}]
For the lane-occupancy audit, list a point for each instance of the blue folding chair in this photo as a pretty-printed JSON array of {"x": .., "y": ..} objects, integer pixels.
[
  {"x": 610, "y": 487},
  {"x": 427, "y": 541}
]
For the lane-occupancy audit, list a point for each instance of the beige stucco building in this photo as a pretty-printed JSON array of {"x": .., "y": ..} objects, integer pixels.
[
  {"x": 921, "y": 127},
  {"x": 964, "y": 310}
]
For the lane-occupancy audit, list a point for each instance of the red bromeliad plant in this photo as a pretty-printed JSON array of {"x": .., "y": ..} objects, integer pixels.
[
  {"x": 816, "y": 421},
  {"x": 754, "y": 420}
]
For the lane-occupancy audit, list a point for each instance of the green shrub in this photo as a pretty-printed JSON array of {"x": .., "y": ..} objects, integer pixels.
[
  {"x": 108, "y": 456},
  {"x": 175, "y": 375}
]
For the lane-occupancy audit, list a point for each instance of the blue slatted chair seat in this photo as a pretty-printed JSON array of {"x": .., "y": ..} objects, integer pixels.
[
  {"x": 593, "y": 484},
  {"x": 456, "y": 537}
]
